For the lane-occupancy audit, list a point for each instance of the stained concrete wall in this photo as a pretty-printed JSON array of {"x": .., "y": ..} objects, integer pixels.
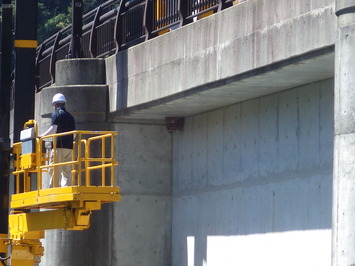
[
  {"x": 252, "y": 182},
  {"x": 142, "y": 220},
  {"x": 253, "y": 34},
  {"x": 251, "y": 185}
]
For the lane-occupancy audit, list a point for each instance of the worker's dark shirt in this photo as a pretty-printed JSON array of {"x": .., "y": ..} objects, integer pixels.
[{"x": 65, "y": 122}]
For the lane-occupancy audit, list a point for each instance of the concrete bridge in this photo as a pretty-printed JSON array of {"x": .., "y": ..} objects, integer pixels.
[{"x": 241, "y": 172}]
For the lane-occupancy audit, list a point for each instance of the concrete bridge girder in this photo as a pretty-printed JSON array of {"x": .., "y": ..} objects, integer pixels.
[
  {"x": 235, "y": 63},
  {"x": 259, "y": 82}
]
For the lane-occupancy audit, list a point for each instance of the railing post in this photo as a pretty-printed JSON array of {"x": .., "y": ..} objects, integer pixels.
[
  {"x": 148, "y": 19},
  {"x": 223, "y": 4},
  {"x": 79, "y": 157},
  {"x": 87, "y": 164},
  {"x": 93, "y": 33},
  {"x": 74, "y": 165},
  {"x": 103, "y": 170},
  {"x": 54, "y": 173},
  {"x": 112, "y": 161},
  {"x": 183, "y": 13},
  {"x": 53, "y": 59},
  {"x": 39, "y": 161},
  {"x": 39, "y": 52},
  {"x": 117, "y": 33},
  {"x": 77, "y": 24}
]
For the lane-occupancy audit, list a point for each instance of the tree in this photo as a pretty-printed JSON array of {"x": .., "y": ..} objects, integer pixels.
[{"x": 54, "y": 15}]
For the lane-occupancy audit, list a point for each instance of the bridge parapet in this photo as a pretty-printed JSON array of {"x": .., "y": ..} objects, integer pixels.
[
  {"x": 117, "y": 25},
  {"x": 215, "y": 56},
  {"x": 246, "y": 51}
]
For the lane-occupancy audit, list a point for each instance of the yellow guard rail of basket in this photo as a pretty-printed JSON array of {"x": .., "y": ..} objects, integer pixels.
[{"x": 92, "y": 172}]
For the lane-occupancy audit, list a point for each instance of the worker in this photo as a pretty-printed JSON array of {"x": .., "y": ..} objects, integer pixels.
[{"x": 62, "y": 121}]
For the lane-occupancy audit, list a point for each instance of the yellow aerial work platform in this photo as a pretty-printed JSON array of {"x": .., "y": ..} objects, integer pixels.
[
  {"x": 92, "y": 183},
  {"x": 52, "y": 198}
]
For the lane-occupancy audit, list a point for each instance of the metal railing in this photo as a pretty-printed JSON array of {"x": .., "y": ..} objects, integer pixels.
[
  {"x": 92, "y": 162},
  {"x": 119, "y": 24}
]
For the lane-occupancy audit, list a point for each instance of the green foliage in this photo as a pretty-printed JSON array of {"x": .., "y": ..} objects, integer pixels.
[{"x": 54, "y": 15}]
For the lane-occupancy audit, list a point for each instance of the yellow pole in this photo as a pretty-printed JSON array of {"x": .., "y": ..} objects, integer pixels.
[
  {"x": 54, "y": 177},
  {"x": 39, "y": 161},
  {"x": 79, "y": 159},
  {"x": 103, "y": 151},
  {"x": 112, "y": 161},
  {"x": 87, "y": 164}
]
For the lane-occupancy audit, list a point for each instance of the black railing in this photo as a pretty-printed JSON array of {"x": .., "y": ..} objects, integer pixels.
[{"x": 119, "y": 24}]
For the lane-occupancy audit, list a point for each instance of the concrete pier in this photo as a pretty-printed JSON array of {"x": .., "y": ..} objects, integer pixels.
[
  {"x": 343, "y": 240},
  {"x": 141, "y": 222},
  {"x": 86, "y": 101}
]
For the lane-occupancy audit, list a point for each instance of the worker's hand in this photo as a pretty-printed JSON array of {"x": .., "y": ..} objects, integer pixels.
[{"x": 51, "y": 130}]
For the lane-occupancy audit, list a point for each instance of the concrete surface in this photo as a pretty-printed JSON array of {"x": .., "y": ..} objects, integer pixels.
[
  {"x": 142, "y": 220},
  {"x": 248, "y": 181},
  {"x": 252, "y": 182},
  {"x": 249, "y": 50},
  {"x": 137, "y": 229},
  {"x": 344, "y": 137},
  {"x": 81, "y": 71}
]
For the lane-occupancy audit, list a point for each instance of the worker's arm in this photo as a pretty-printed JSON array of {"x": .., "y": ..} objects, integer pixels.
[{"x": 51, "y": 130}]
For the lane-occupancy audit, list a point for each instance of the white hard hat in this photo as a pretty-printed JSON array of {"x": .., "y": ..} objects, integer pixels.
[{"x": 59, "y": 98}]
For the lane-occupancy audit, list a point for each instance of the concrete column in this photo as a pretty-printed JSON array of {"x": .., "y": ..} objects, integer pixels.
[
  {"x": 136, "y": 230},
  {"x": 82, "y": 81},
  {"x": 343, "y": 239}
]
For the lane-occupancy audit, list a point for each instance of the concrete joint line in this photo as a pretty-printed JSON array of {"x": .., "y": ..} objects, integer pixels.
[{"x": 344, "y": 133}]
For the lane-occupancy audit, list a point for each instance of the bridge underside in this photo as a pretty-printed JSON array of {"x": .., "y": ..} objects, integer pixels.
[{"x": 279, "y": 76}]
